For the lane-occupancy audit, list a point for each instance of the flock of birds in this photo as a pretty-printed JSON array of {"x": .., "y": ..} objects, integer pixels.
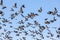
[{"x": 22, "y": 26}]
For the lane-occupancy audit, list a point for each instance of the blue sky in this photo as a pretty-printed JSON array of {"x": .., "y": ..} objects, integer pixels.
[{"x": 31, "y": 6}]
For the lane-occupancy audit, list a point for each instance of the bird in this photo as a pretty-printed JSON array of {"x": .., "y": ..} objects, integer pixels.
[
  {"x": 21, "y": 22},
  {"x": 47, "y": 22},
  {"x": 15, "y": 5},
  {"x": 12, "y": 16},
  {"x": 0, "y": 27},
  {"x": 46, "y": 19},
  {"x": 58, "y": 15},
  {"x": 21, "y": 10},
  {"x": 4, "y": 7},
  {"x": 15, "y": 31},
  {"x": 24, "y": 38},
  {"x": 23, "y": 6},
  {"x": 1, "y": 2},
  {"x": 4, "y": 20},
  {"x": 26, "y": 33},
  {"x": 55, "y": 11},
  {"x": 21, "y": 28},
  {"x": 40, "y": 10},
  {"x": 1, "y": 12},
  {"x": 52, "y": 21},
  {"x": 49, "y": 12},
  {"x": 42, "y": 27},
  {"x": 16, "y": 14},
  {"x": 17, "y": 34},
  {"x": 36, "y": 23},
  {"x": 12, "y": 9},
  {"x": 59, "y": 28}
]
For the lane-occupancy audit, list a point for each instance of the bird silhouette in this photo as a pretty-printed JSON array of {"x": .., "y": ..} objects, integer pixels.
[{"x": 1, "y": 2}]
